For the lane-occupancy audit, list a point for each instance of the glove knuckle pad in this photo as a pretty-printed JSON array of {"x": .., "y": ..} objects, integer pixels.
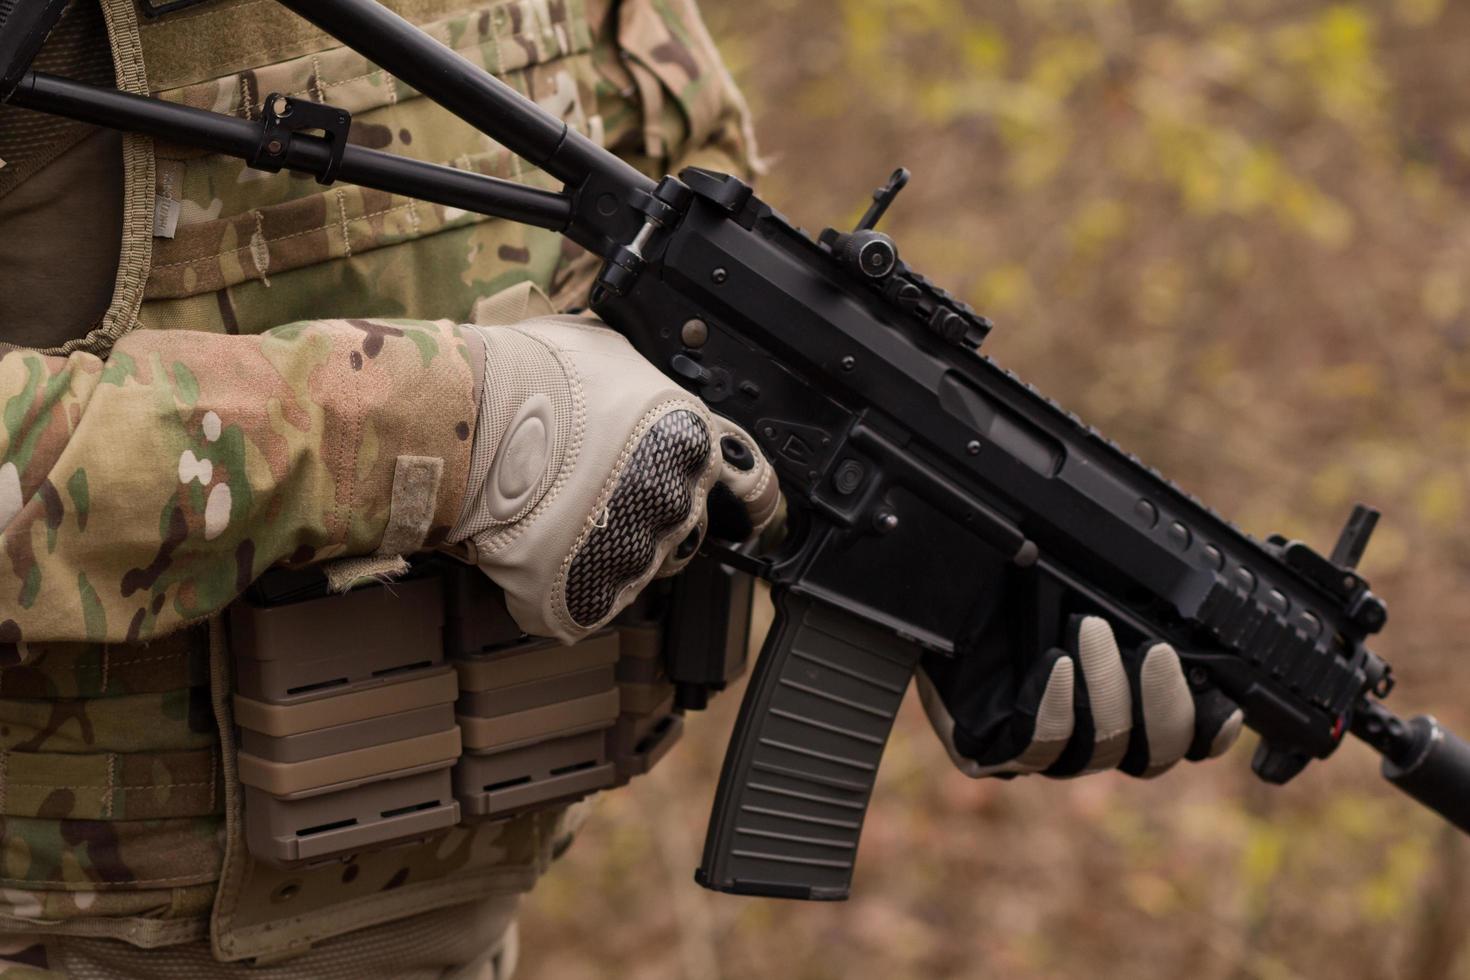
[{"x": 655, "y": 494}]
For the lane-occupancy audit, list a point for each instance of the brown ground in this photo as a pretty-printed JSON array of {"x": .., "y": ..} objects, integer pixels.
[{"x": 1234, "y": 236}]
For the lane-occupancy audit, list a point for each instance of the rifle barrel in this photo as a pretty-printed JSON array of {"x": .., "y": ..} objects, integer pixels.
[{"x": 1420, "y": 757}]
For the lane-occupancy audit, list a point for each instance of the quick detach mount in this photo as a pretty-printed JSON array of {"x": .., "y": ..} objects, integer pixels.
[{"x": 284, "y": 116}]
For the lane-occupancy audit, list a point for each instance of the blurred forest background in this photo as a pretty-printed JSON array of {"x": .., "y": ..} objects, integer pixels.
[{"x": 1234, "y": 235}]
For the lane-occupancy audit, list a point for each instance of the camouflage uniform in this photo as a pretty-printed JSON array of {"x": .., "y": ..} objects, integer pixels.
[{"x": 152, "y": 467}]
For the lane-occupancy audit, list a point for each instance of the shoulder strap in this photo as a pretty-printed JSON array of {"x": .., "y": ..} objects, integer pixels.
[{"x": 138, "y": 193}]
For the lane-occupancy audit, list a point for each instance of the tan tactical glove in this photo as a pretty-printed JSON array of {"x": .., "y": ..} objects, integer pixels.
[
  {"x": 593, "y": 473},
  {"x": 1083, "y": 709}
]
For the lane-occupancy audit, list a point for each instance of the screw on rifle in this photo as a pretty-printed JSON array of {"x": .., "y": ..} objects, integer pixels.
[
  {"x": 719, "y": 276},
  {"x": 849, "y": 362},
  {"x": 885, "y": 521},
  {"x": 695, "y": 333},
  {"x": 1198, "y": 677},
  {"x": 769, "y": 431},
  {"x": 973, "y": 447},
  {"x": 274, "y": 148}
]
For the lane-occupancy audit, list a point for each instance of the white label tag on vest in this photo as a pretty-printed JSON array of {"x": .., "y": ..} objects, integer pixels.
[{"x": 165, "y": 217}]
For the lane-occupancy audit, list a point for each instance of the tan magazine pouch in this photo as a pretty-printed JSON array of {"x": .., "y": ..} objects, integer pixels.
[
  {"x": 404, "y": 746},
  {"x": 339, "y": 738},
  {"x": 345, "y": 714}
]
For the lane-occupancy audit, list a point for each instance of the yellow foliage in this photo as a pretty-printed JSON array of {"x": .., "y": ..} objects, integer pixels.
[
  {"x": 1314, "y": 213},
  {"x": 865, "y": 29},
  {"x": 1418, "y": 13},
  {"x": 824, "y": 98},
  {"x": 1098, "y": 224},
  {"x": 1214, "y": 363},
  {"x": 1357, "y": 816},
  {"x": 1261, "y": 858},
  {"x": 1199, "y": 11},
  {"x": 1357, "y": 379},
  {"x": 1161, "y": 291},
  {"x": 1152, "y": 894},
  {"x": 1389, "y": 894},
  {"x": 984, "y": 48},
  {"x": 1004, "y": 288},
  {"x": 1443, "y": 294},
  {"x": 1335, "y": 52},
  {"x": 1385, "y": 467},
  {"x": 1333, "y": 485},
  {"x": 1425, "y": 185},
  {"x": 1391, "y": 549},
  {"x": 1456, "y": 371},
  {"x": 1059, "y": 64},
  {"x": 1231, "y": 257},
  {"x": 1440, "y": 501}
]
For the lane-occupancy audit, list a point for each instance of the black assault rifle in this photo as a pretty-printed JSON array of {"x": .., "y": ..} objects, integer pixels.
[{"x": 901, "y": 451}]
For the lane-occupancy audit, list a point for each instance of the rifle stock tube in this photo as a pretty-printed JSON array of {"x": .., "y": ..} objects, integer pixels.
[
  {"x": 241, "y": 138},
  {"x": 467, "y": 90}
]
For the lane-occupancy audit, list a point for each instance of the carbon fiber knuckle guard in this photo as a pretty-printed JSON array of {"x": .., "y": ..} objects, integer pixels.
[{"x": 654, "y": 495}]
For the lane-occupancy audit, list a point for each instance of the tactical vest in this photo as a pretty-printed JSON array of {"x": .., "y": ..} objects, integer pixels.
[{"x": 120, "y": 794}]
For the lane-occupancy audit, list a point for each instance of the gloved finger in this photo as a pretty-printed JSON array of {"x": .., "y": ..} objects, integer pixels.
[
  {"x": 1055, "y": 719},
  {"x": 1108, "y": 696},
  {"x": 1217, "y": 725},
  {"x": 746, "y": 494},
  {"x": 1163, "y": 712},
  {"x": 1029, "y": 739}
]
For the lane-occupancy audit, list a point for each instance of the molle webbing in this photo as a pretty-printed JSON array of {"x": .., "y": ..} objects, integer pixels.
[
  {"x": 201, "y": 43},
  {"x": 73, "y": 744},
  {"x": 112, "y": 786}
]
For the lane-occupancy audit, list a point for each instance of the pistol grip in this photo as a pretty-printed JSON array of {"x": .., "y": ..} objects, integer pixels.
[{"x": 804, "y": 754}]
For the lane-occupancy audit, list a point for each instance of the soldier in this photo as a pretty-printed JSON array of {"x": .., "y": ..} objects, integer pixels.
[{"x": 164, "y": 440}]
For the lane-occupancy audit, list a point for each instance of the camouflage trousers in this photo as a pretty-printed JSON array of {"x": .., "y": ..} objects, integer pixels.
[{"x": 475, "y": 941}]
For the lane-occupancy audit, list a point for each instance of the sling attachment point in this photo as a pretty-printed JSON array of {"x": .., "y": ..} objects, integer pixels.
[{"x": 283, "y": 116}]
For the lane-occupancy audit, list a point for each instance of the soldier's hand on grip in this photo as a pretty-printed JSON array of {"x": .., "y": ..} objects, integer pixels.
[
  {"x": 1080, "y": 709},
  {"x": 592, "y": 473}
]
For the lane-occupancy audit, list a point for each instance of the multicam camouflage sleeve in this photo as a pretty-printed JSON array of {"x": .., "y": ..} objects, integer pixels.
[
  {"x": 209, "y": 457},
  {"x": 146, "y": 491}
]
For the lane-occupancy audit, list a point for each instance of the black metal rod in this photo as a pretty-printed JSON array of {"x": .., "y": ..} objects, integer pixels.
[
  {"x": 468, "y": 91},
  {"x": 241, "y": 138}
]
